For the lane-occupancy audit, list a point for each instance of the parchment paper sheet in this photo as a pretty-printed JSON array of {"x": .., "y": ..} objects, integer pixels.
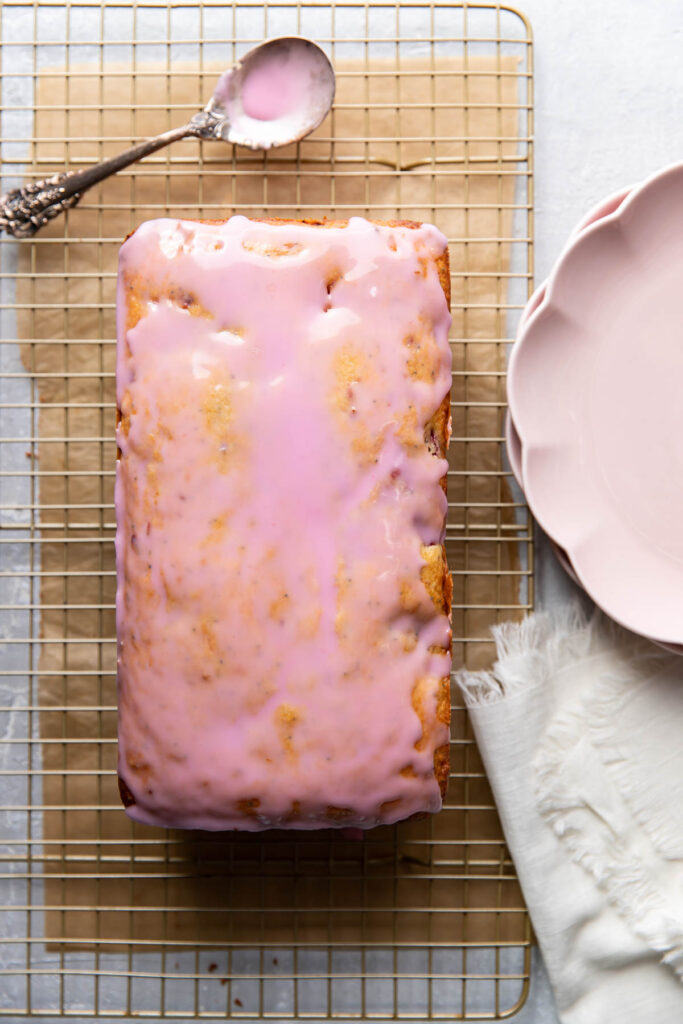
[{"x": 270, "y": 888}]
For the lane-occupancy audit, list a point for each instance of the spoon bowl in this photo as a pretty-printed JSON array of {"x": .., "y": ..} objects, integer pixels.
[{"x": 278, "y": 93}]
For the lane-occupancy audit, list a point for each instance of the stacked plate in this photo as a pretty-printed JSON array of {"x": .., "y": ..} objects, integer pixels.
[{"x": 595, "y": 429}]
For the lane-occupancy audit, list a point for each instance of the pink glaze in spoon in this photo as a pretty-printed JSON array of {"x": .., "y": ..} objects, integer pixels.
[{"x": 276, "y": 94}]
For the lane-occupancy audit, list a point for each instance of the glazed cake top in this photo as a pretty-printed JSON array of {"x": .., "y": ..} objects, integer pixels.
[{"x": 279, "y": 654}]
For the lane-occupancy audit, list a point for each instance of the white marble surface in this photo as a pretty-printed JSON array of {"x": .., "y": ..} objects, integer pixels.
[{"x": 608, "y": 112}]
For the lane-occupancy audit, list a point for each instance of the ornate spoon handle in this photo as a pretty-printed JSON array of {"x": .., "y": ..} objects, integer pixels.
[{"x": 23, "y": 211}]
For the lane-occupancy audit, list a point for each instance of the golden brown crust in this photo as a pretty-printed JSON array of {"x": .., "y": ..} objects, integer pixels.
[
  {"x": 435, "y": 575},
  {"x": 439, "y": 586},
  {"x": 127, "y": 798}
]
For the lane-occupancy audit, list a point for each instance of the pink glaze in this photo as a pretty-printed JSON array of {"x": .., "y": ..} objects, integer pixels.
[
  {"x": 276, "y": 82},
  {"x": 278, "y": 85},
  {"x": 272, "y": 497}
]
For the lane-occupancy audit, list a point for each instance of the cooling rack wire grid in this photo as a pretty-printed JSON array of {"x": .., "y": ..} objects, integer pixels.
[{"x": 99, "y": 917}]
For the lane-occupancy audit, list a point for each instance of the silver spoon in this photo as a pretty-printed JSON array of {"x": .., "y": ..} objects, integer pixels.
[{"x": 278, "y": 93}]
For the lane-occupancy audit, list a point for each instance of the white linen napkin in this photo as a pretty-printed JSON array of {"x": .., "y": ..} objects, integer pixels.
[{"x": 580, "y": 726}]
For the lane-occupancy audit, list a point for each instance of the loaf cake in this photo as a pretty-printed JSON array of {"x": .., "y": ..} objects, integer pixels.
[{"x": 283, "y": 598}]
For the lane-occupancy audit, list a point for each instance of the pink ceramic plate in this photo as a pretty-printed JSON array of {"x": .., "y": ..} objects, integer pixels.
[
  {"x": 513, "y": 446},
  {"x": 602, "y": 209},
  {"x": 512, "y": 439},
  {"x": 514, "y": 450},
  {"x": 595, "y": 394}
]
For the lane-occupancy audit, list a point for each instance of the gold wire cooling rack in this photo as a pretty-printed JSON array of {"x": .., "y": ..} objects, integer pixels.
[{"x": 99, "y": 917}]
